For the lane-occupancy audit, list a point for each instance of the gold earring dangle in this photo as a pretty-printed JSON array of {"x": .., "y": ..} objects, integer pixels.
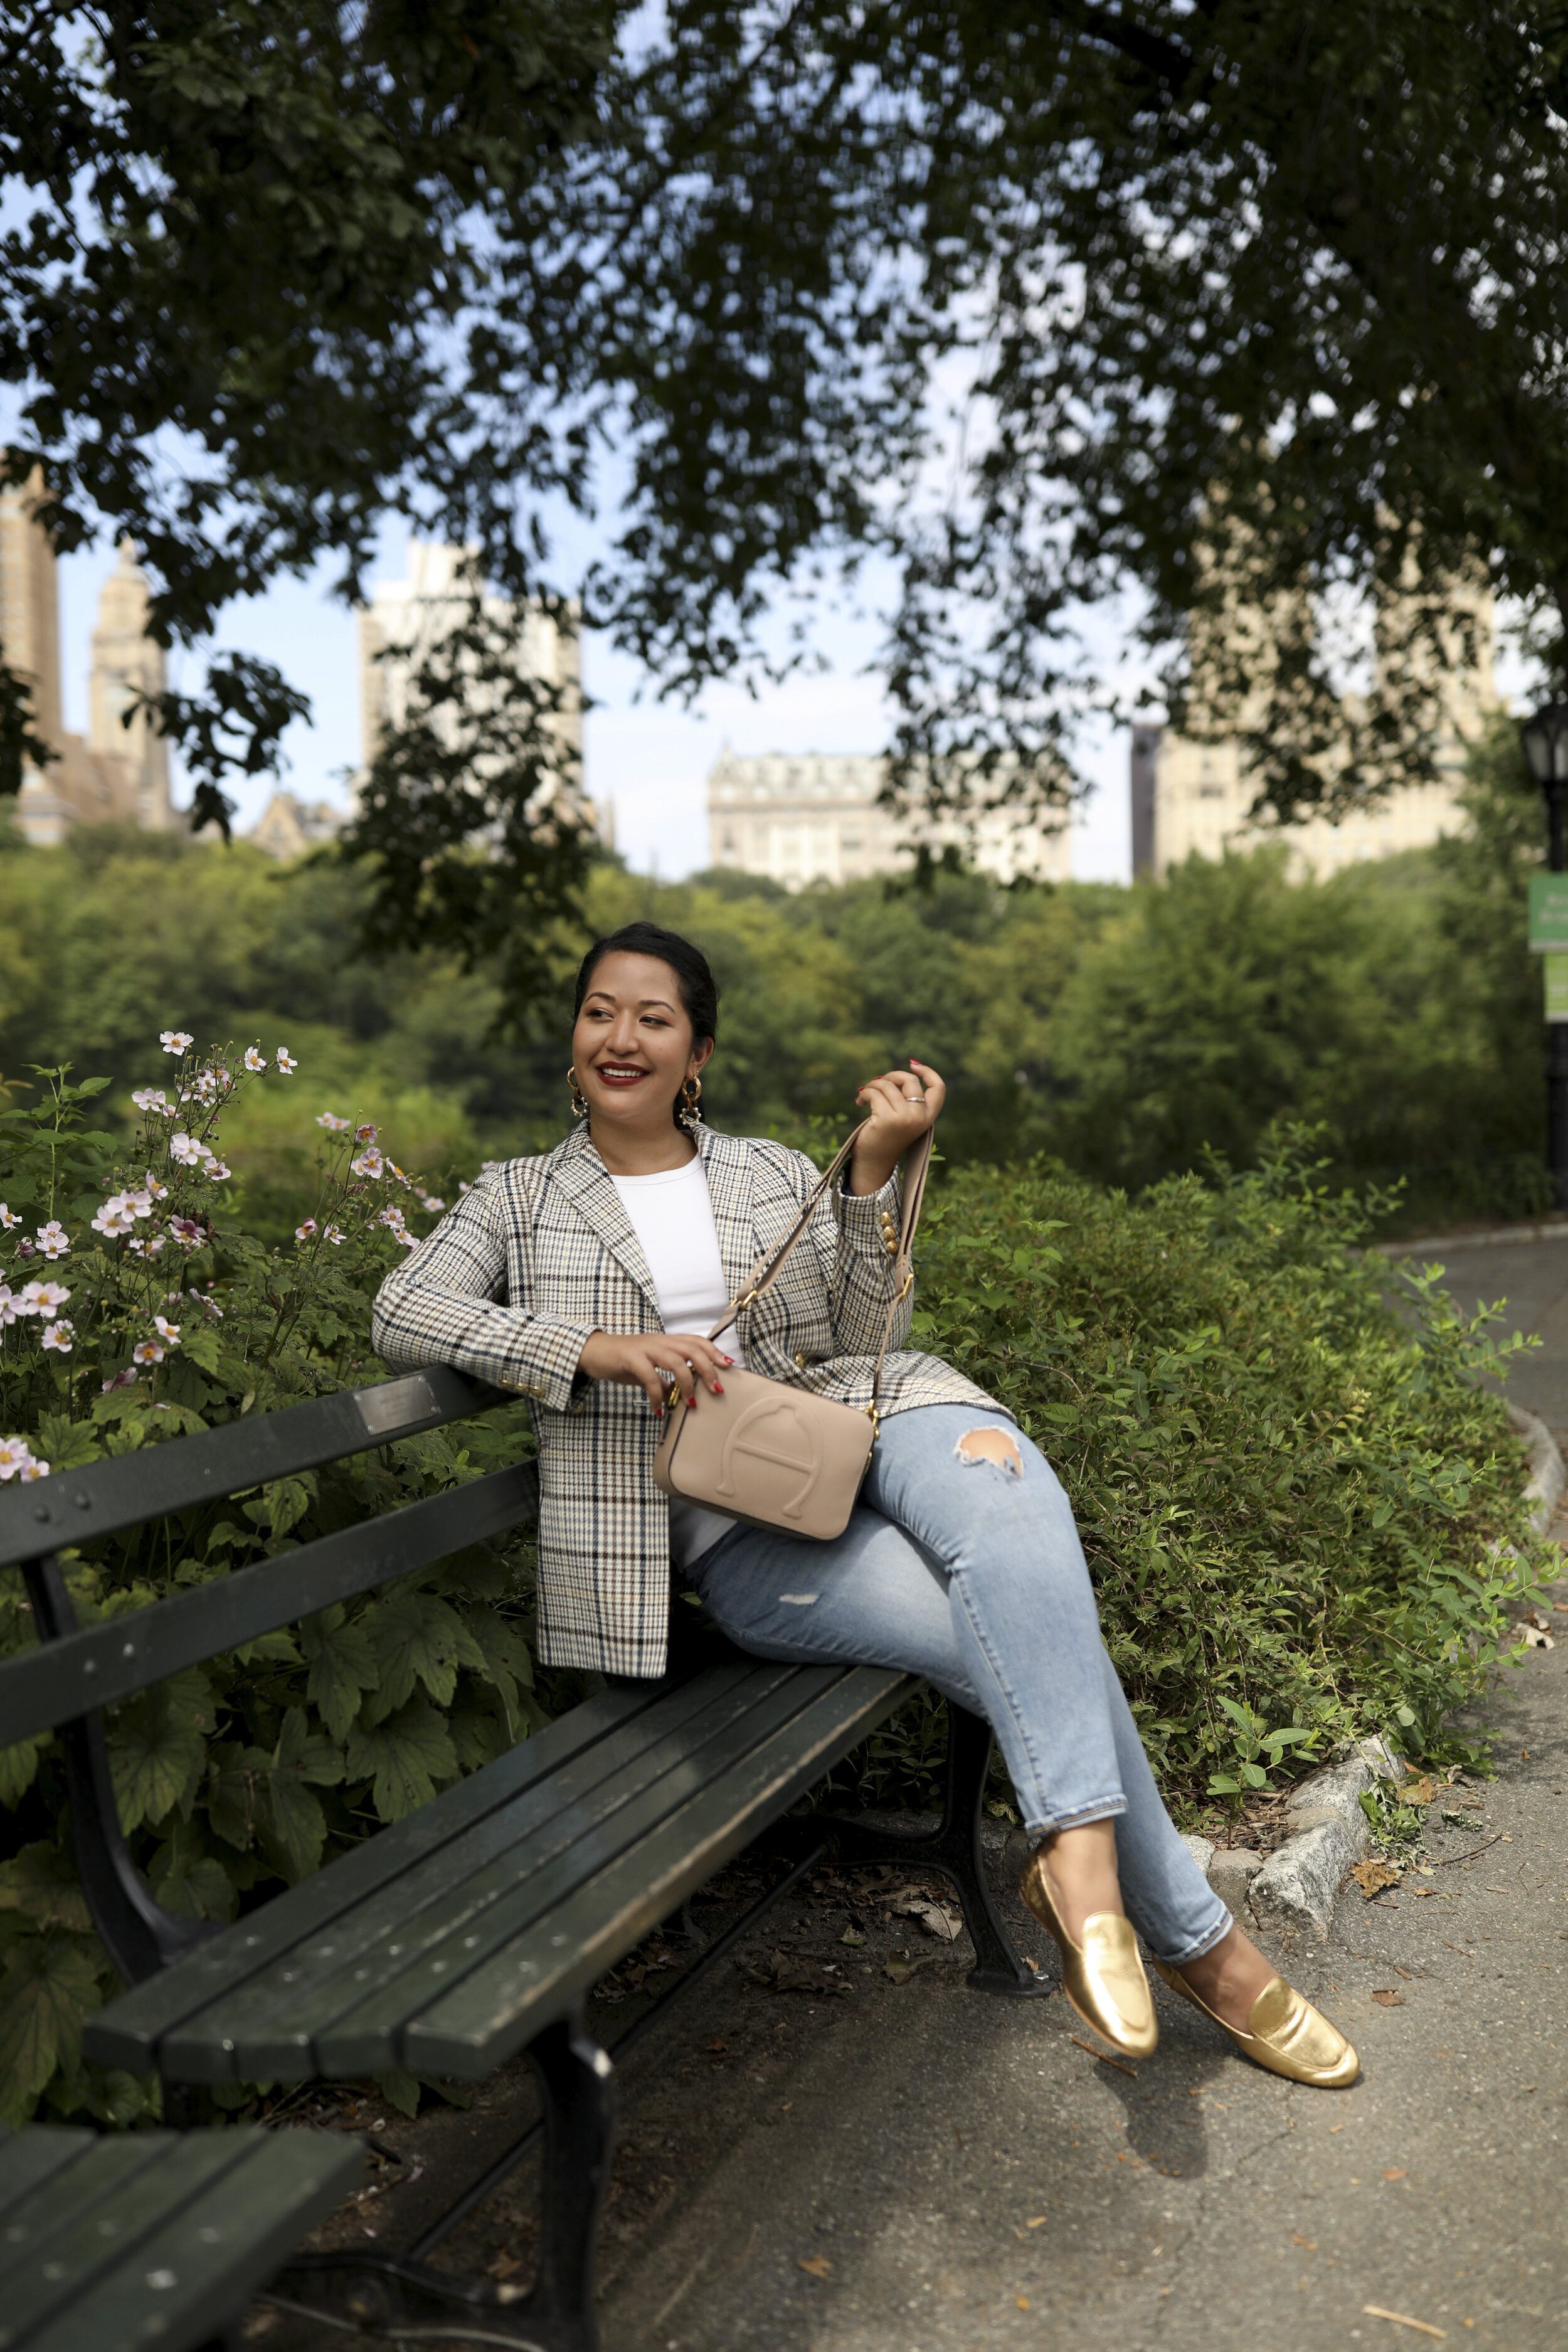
[
  {"x": 690, "y": 1113},
  {"x": 579, "y": 1099}
]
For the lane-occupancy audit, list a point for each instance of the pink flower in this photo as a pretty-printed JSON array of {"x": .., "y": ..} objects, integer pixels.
[
  {"x": 52, "y": 1239},
  {"x": 254, "y": 1059},
  {"x": 125, "y": 1380},
  {"x": 186, "y": 1230},
  {"x": 114, "y": 1222},
  {"x": 59, "y": 1335},
  {"x": 218, "y": 1171},
  {"x": 330, "y": 1120},
  {"x": 189, "y": 1151},
  {"x": 368, "y": 1162},
  {"x": 365, "y": 1135},
  {"x": 43, "y": 1297},
  {"x": 433, "y": 1202},
  {"x": 146, "y": 1351},
  {"x": 285, "y": 1062},
  {"x": 34, "y": 1469},
  {"x": 7, "y": 1219},
  {"x": 14, "y": 1454},
  {"x": 335, "y": 1234},
  {"x": 9, "y": 1305},
  {"x": 168, "y": 1332},
  {"x": 307, "y": 1232},
  {"x": 175, "y": 1041},
  {"x": 150, "y": 1098}
]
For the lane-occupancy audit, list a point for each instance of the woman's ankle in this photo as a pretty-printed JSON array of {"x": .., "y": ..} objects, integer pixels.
[
  {"x": 1228, "y": 1977},
  {"x": 1081, "y": 1871}
]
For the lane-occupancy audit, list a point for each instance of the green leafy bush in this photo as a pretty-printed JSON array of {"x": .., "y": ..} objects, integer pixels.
[
  {"x": 136, "y": 1307},
  {"x": 1302, "y": 1514}
]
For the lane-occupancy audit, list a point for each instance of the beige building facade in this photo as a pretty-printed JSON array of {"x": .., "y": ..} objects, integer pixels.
[
  {"x": 115, "y": 774},
  {"x": 804, "y": 817},
  {"x": 1194, "y": 797}
]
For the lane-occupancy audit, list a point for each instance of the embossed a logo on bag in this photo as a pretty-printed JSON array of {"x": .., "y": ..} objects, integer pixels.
[{"x": 792, "y": 1430}]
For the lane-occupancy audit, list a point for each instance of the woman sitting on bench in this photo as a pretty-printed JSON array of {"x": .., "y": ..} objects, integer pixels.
[{"x": 961, "y": 1561}]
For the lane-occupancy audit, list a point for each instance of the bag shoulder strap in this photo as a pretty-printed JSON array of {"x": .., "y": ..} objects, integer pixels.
[{"x": 916, "y": 1164}]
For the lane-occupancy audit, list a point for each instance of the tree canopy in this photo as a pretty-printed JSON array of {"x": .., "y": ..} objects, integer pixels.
[{"x": 1242, "y": 298}]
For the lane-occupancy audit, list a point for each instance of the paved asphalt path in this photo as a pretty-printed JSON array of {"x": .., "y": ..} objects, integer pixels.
[
  {"x": 960, "y": 2173},
  {"x": 915, "y": 2168}
]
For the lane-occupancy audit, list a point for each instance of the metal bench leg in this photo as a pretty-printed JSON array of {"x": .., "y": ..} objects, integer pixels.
[
  {"x": 374, "y": 2291},
  {"x": 578, "y": 2085},
  {"x": 954, "y": 1848}
]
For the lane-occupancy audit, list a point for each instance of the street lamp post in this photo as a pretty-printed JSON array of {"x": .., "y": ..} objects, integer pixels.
[{"x": 1545, "y": 738}]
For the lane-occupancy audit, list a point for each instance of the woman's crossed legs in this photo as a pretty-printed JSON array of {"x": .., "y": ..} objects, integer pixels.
[{"x": 961, "y": 1563}]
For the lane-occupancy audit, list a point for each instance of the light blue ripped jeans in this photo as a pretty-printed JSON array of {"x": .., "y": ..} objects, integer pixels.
[{"x": 970, "y": 1572}]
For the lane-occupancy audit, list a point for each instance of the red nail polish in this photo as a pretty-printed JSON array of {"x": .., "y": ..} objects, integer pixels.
[
  {"x": 718, "y": 1389},
  {"x": 692, "y": 1398}
]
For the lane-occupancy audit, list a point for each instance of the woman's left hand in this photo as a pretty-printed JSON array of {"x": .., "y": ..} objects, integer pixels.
[{"x": 899, "y": 1106}]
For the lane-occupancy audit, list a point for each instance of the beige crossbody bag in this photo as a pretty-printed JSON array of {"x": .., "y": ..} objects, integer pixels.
[{"x": 771, "y": 1453}]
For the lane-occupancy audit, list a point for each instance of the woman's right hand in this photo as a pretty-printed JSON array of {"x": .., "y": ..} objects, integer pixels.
[{"x": 651, "y": 1361}]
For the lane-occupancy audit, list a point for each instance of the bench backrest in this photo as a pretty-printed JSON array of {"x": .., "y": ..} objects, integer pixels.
[{"x": 77, "y": 1671}]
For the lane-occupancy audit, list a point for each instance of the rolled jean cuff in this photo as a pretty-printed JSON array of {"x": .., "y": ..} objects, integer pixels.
[
  {"x": 1201, "y": 1944},
  {"x": 1098, "y": 1809}
]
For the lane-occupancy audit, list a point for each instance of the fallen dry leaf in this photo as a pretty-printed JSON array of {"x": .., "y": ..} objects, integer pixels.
[
  {"x": 1371, "y": 1878},
  {"x": 1022, "y": 2302},
  {"x": 1388, "y": 1998},
  {"x": 1038, "y": 2223},
  {"x": 1418, "y": 1791},
  {"x": 1310, "y": 2244},
  {"x": 1396, "y": 2172},
  {"x": 817, "y": 2264},
  {"x": 853, "y": 1937}
]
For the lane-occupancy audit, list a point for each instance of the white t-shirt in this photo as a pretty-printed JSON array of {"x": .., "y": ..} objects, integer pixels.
[{"x": 672, "y": 1216}]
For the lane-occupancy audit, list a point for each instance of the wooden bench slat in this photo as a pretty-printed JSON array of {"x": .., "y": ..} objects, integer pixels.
[
  {"x": 129, "y": 2031},
  {"x": 119, "y": 2198},
  {"x": 56, "y": 2199},
  {"x": 29, "y": 2158},
  {"x": 104, "y": 1497},
  {"x": 484, "y": 2021},
  {"x": 102, "y": 1663},
  {"x": 264, "y": 2029},
  {"x": 193, "y": 2269},
  {"x": 364, "y": 2036}
]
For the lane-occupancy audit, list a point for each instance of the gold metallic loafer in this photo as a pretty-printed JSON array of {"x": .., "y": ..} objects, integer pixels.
[
  {"x": 1285, "y": 2034},
  {"x": 1102, "y": 1977}
]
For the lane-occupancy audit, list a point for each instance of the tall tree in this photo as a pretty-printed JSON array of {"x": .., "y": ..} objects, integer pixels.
[{"x": 1251, "y": 303}]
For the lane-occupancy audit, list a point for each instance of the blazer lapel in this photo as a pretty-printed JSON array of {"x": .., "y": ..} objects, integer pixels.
[
  {"x": 728, "y": 1162},
  {"x": 580, "y": 1178}
]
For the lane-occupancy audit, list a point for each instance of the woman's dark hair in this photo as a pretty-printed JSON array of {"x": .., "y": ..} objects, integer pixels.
[{"x": 699, "y": 995}]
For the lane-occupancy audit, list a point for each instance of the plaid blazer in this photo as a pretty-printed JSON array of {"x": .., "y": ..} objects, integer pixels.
[{"x": 540, "y": 1253}]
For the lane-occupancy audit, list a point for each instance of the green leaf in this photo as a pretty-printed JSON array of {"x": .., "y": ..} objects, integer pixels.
[
  {"x": 157, "y": 1746},
  {"x": 189, "y": 1880},
  {"x": 48, "y": 1990},
  {"x": 41, "y": 1882},
  {"x": 418, "y": 1637},
  {"x": 19, "y": 1768},
  {"x": 407, "y": 1755},
  {"x": 342, "y": 1668}
]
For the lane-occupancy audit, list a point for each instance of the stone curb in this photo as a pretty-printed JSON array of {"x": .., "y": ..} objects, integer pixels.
[
  {"x": 1547, "y": 1474},
  {"x": 1297, "y": 1887}
]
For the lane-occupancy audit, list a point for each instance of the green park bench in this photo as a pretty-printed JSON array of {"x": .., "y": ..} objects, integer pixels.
[
  {"x": 112, "y": 2243},
  {"x": 473, "y": 1930}
]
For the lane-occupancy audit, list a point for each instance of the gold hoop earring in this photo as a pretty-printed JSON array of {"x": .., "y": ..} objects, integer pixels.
[
  {"x": 579, "y": 1099},
  {"x": 690, "y": 1114}
]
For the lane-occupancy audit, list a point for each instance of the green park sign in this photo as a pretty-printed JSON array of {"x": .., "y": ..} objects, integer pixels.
[
  {"x": 1548, "y": 912},
  {"x": 1556, "y": 968}
]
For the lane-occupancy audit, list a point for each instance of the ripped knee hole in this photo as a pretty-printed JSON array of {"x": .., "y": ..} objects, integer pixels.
[{"x": 998, "y": 1445}]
